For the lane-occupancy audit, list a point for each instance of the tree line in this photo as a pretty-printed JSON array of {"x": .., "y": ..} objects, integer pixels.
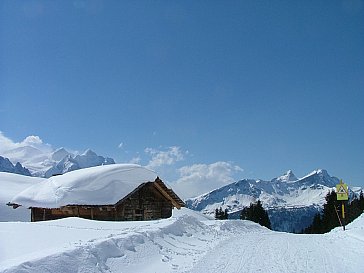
[
  {"x": 221, "y": 214},
  {"x": 255, "y": 212},
  {"x": 330, "y": 216}
]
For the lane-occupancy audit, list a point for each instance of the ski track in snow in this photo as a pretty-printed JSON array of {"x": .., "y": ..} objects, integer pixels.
[
  {"x": 269, "y": 253},
  {"x": 182, "y": 244}
]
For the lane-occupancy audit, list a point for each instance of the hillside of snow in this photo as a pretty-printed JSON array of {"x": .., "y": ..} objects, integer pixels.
[{"x": 186, "y": 242}]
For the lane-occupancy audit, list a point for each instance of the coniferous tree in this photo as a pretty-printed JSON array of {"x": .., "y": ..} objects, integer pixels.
[
  {"x": 244, "y": 213},
  {"x": 221, "y": 214},
  {"x": 217, "y": 214},
  {"x": 256, "y": 213},
  {"x": 353, "y": 209},
  {"x": 316, "y": 226},
  {"x": 332, "y": 213},
  {"x": 265, "y": 219},
  {"x": 226, "y": 215},
  {"x": 361, "y": 201}
]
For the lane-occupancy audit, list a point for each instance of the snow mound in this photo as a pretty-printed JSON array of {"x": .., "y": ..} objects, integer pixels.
[
  {"x": 176, "y": 213},
  {"x": 92, "y": 186}
]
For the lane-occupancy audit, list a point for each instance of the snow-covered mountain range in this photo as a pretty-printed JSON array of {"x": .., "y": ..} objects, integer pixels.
[
  {"x": 45, "y": 163},
  {"x": 66, "y": 162},
  {"x": 8, "y": 167},
  {"x": 291, "y": 202}
]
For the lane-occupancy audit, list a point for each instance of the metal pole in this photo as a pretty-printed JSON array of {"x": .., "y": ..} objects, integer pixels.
[{"x": 343, "y": 213}]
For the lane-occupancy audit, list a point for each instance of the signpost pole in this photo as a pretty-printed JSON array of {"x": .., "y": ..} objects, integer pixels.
[
  {"x": 343, "y": 213},
  {"x": 342, "y": 194}
]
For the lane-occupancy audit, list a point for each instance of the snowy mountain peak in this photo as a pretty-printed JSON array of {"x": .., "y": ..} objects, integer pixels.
[
  {"x": 287, "y": 177},
  {"x": 321, "y": 177},
  {"x": 59, "y": 154},
  {"x": 316, "y": 172},
  {"x": 24, "y": 152},
  {"x": 89, "y": 153},
  {"x": 70, "y": 163},
  {"x": 322, "y": 172}
]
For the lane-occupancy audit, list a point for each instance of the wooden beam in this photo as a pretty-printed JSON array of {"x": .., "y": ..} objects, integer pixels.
[{"x": 166, "y": 195}]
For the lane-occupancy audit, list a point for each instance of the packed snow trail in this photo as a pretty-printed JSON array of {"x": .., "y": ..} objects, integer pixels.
[
  {"x": 275, "y": 252},
  {"x": 278, "y": 252},
  {"x": 185, "y": 243}
]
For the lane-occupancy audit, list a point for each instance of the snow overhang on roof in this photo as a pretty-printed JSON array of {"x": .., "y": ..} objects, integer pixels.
[{"x": 99, "y": 185}]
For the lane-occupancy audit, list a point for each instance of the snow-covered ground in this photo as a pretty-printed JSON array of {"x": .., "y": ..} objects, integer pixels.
[{"x": 186, "y": 242}]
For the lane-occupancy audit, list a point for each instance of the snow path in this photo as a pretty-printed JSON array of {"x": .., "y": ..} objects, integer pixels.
[
  {"x": 272, "y": 252},
  {"x": 185, "y": 243}
]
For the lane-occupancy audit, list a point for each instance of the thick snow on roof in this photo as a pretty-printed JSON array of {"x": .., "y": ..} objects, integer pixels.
[
  {"x": 10, "y": 185},
  {"x": 99, "y": 185}
]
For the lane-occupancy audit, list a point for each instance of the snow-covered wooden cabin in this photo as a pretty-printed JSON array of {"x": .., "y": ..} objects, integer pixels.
[{"x": 112, "y": 193}]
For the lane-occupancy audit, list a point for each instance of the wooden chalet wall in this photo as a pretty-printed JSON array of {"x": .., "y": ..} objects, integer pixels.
[
  {"x": 105, "y": 213},
  {"x": 145, "y": 203},
  {"x": 150, "y": 201}
]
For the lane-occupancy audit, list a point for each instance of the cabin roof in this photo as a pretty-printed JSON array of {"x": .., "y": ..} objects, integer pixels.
[{"x": 92, "y": 186}]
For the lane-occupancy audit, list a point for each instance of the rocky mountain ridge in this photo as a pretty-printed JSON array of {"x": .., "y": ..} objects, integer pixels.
[{"x": 7, "y": 166}]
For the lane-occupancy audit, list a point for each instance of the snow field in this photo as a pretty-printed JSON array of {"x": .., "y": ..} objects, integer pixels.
[
  {"x": 78, "y": 245},
  {"x": 186, "y": 242}
]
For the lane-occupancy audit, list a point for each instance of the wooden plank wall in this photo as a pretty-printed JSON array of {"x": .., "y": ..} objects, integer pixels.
[{"x": 147, "y": 203}]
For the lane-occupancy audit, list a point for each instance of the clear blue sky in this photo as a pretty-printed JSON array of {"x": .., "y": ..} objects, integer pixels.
[{"x": 266, "y": 86}]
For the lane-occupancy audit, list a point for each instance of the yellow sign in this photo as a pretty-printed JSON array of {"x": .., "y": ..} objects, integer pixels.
[{"x": 342, "y": 191}]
